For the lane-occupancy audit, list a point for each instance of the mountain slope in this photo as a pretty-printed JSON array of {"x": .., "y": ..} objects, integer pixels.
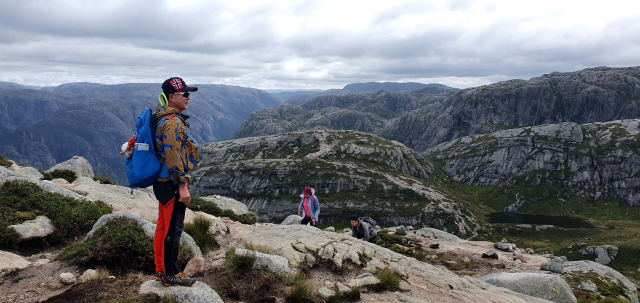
[
  {"x": 590, "y": 95},
  {"x": 356, "y": 88},
  {"x": 593, "y": 161},
  {"x": 353, "y": 173},
  {"x": 365, "y": 112}
]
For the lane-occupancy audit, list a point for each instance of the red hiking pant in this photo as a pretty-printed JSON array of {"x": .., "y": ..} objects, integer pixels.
[{"x": 166, "y": 241}]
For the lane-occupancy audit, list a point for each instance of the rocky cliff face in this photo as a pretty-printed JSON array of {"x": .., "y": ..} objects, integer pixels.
[
  {"x": 42, "y": 128},
  {"x": 366, "y": 112},
  {"x": 591, "y": 95},
  {"x": 592, "y": 160},
  {"x": 353, "y": 173}
]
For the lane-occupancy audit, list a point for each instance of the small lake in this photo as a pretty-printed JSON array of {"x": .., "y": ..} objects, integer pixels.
[{"x": 560, "y": 221}]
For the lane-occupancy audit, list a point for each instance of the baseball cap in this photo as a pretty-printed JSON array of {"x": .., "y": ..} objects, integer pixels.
[{"x": 176, "y": 84}]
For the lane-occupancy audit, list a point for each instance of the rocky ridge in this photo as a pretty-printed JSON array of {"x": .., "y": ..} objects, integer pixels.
[
  {"x": 366, "y": 112},
  {"x": 598, "y": 94},
  {"x": 593, "y": 160},
  {"x": 350, "y": 171}
]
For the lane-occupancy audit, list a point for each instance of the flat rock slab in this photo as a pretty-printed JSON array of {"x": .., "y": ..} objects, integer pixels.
[
  {"x": 78, "y": 165},
  {"x": 9, "y": 260},
  {"x": 226, "y": 203},
  {"x": 275, "y": 263},
  {"x": 39, "y": 227},
  {"x": 292, "y": 220},
  {"x": 197, "y": 293},
  {"x": 544, "y": 286}
]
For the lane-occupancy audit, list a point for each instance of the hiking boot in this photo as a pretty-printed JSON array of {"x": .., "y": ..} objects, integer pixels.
[
  {"x": 182, "y": 275},
  {"x": 158, "y": 276},
  {"x": 170, "y": 280}
]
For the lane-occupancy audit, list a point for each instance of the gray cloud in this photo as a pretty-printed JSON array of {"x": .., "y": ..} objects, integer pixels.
[{"x": 310, "y": 44}]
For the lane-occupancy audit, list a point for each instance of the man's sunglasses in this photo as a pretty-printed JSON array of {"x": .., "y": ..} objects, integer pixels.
[{"x": 185, "y": 94}]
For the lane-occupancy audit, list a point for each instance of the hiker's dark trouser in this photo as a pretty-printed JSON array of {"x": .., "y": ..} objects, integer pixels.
[
  {"x": 306, "y": 220},
  {"x": 166, "y": 240}
]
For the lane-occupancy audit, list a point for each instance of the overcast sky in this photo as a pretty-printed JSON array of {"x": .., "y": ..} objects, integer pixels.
[{"x": 311, "y": 44}]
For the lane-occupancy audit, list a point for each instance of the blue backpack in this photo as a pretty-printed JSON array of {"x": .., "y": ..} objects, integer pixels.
[{"x": 143, "y": 167}]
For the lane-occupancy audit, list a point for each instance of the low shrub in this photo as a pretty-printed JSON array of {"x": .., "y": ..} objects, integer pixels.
[
  {"x": 66, "y": 174},
  {"x": 198, "y": 229},
  {"x": 184, "y": 256},
  {"x": 4, "y": 161},
  {"x": 239, "y": 263},
  {"x": 388, "y": 280},
  {"x": 302, "y": 292},
  {"x": 22, "y": 200},
  {"x": 199, "y": 204},
  {"x": 351, "y": 296},
  {"x": 499, "y": 266},
  {"x": 120, "y": 245},
  {"x": 105, "y": 180}
]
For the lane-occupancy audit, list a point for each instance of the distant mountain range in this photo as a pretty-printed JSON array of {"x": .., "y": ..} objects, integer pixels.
[
  {"x": 300, "y": 98},
  {"x": 43, "y": 127},
  {"x": 423, "y": 118}
]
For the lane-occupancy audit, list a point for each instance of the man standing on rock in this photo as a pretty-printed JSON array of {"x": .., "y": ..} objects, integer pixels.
[
  {"x": 363, "y": 230},
  {"x": 309, "y": 207},
  {"x": 180, "y": 153}
]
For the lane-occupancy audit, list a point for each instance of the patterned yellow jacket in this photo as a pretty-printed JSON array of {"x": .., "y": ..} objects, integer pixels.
[{"x": 177, "y": 149}]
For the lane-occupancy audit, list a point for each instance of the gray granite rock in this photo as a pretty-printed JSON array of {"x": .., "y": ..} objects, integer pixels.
[
  {"x": 197, "y": 293},
  {"x": 437, "y": 236},
  {"x": 226, "y": 203},
  {"x": 78, "y": 165},
  {"x": 366, "y": 279},
  {"x": 195, "y": 267},
  {"x": 555, "y": 265},
  {"x": 326, "y": 293},
  {"x": 9, "y": 260},
  {"x": 67, "y": 278},
  {"x": 342, "y": 288},
  {"x": 604, "y": 253},
  {"x": 577, "y": 267},
  {"x": 330, "y": 228},
  {"x": 588, "y": 286},
  {"x": 39, "y": 227},
  {"x": 544, "y": 286},
  {"x": 275, "y": 263},
  {"x": 292, "y": 220},
  {"x": 88, "y": 274},
  {"x": 490, "y": 254}
]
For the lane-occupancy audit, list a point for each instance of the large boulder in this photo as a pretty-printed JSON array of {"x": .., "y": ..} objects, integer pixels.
[
  {"x": 39, "y": 227},
  {"x": 78, "y": 165},
  {"x": 149, "y": 228},
  {"x": 437, "y": 236},
  {"x": 544, "y": 286},
  {"x": 275, "y": 263},
  {"x": 292, "y": 220},
  {"x": 12, "y": 261},
  {"x": 226, "y": 203},
  {"x": 555, "y": 265},
  {"x": 196, "y": 293},
  {"x": 605, "y": 272}
]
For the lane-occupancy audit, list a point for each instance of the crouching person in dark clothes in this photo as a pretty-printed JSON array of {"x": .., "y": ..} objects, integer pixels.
[
  {"x": 309, "y": 207},
  {"x": 180, "y": 153},
  {"x": 364, "y": 229}
]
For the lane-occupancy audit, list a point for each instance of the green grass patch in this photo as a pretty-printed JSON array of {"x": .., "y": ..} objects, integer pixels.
[
  {"x": 610, "y": 291},
  {"x": 66, "y": 174},
  {"x": 22, "y": 200},
  {"x": 199, "y": 204},
  {"x": 105, "y": 180},
  {"x": 302, "y": 292},
  {"x": 389, "y": 280},
  {"x": 120, "y": 245},
  {"x": 265, "y": 249},
  {"x": 198, "y": 229},
  {"x": 4, "y": 161},
  {"x": 239, "y": 263}
]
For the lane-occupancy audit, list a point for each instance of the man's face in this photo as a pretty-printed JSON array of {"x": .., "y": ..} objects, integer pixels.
[
  {"x": 354, "y": 223},
  {"x": 178, "y": 101}
]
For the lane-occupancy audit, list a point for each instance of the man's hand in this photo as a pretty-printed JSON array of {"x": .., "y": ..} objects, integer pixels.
[
  {"x": 314, "y": 220},
  {"x": 185, "y": 197}
]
